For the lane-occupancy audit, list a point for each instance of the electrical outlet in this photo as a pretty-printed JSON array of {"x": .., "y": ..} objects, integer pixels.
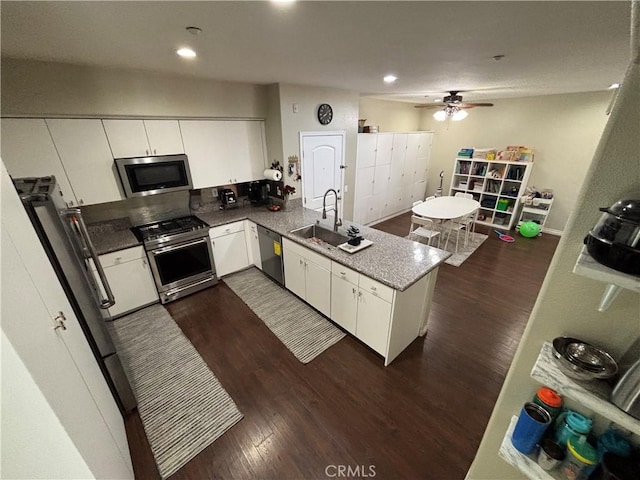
[
  {"x": 214, "y": 192},
  {"x": 295, "y": 108}
]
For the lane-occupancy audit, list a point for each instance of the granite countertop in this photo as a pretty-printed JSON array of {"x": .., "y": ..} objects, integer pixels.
[
  {"x": 112, "y": 235},
  {"x": 391, "y": 260}
]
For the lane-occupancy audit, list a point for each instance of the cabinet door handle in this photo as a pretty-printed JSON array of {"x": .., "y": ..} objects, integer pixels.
[
  {"x": 147, "y": 152},
  {"x": 154, "y": 151},
  {"x": 354, "y": 291},
  {"x": 373, "y": 288},
  {"x": 81, "y": 202},
  {"x": 144, "y": 262},
  {"x": 59, "y": 321}
]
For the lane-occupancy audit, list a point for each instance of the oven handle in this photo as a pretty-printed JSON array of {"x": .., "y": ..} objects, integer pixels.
[
  {"x": 75, "y": 217},
  {"x": 170, "y": 248}
]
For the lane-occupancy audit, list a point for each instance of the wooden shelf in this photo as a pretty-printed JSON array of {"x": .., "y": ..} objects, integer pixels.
[
  {"x": 586, "y": 266},
  {"x": 527, "y": 464},
  {"x": 592, "y": 395}
]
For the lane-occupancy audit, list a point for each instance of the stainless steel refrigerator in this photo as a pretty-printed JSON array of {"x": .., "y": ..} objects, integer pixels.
[{"x": 65, "y": 240}]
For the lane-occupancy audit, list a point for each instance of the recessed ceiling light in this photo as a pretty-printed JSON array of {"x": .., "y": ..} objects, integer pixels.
[
  {"x": 186, "y": 53},
  {"x": 194, "y": 30},
  {"x": 283, "y": 1},
  {"x": 613, "y": 86},
  {"x": 390, "y": 78}
]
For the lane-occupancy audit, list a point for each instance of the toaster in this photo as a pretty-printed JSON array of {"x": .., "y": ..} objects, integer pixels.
[
  {"x": 626, "y": 393},
  {"x": 228, "y": 198}
]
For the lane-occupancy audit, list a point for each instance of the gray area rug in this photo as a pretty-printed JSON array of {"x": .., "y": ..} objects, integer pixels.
[
  {"x": 456, "y": 259},
  {"x": 305, "y": 332},
  {"x": 181, "y": 403}
]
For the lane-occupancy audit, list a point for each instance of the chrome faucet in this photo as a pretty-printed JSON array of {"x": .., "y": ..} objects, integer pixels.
[{"x": 336, "y": 221}]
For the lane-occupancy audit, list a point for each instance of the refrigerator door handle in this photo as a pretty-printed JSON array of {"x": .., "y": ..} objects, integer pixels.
[{"x": 75, "y": 217}]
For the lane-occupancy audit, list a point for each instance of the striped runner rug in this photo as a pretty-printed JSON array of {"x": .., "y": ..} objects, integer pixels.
[
  {"x": 304, "y": 331},
  {"x": 181, "y": 403}
]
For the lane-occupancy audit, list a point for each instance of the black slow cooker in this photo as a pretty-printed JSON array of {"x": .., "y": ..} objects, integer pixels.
[{"x": 615, "y": 240}]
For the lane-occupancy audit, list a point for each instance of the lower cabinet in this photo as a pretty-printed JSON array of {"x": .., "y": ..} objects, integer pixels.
[
  {"x": 308, "y": 275},
  {"x": 130, "y": 280},
  {"x": 361, "y": 306},
  {"x": 229, "y": 248},
  {"x": 253, "y": 244}
]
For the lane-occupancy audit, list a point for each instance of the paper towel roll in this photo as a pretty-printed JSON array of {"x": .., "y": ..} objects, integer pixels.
[{"x": 273, "y": 175}]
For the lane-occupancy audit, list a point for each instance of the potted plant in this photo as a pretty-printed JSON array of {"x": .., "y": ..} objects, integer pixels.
[{"x": 286, "y": 191}]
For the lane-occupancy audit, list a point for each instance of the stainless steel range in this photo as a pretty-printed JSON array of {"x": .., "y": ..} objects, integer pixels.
[{"x": 180, "y": 256}]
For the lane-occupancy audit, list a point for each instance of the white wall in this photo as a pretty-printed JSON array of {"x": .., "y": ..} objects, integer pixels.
[
  {"x": 40, "y": 88},
  {"x": 345, "y": 117},
  {"x": 390, "y": 116},
  {"x": 563, "y": 131},
  {"x": 567, "y": 303},
  {"x": 34, "y": 442}
]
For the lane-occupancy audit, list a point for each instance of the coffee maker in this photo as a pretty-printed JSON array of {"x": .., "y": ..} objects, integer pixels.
[{"x": 259, "y": 192}]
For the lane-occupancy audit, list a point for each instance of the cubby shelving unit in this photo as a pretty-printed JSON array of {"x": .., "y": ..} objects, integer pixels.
[{"x": 496, "y": 184}]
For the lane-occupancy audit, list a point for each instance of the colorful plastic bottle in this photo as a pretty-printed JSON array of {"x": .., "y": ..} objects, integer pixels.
[
  {"x": 571, "y": 423},
  {"x": 549, "y": 400},
  {"x": 581, "y": 459}
]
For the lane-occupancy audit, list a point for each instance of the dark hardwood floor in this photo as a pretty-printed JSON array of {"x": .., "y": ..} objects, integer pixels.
[{"x": 422, "y": 417}]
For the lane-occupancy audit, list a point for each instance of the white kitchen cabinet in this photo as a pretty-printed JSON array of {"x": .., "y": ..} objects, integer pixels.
[
  {"x": 308, "y": 275},
  {"x": 344, "y": 300},
  {"x": 140, "y": 138},
  {"x": 397, "y": 178},
  {"x": 361, "y": 306},
  {"x": 253, "y": 243},
  {"x": 229, "y": 248},
  {"x": 28, "y": 151},
  {"x": 130, "y": 280},
  {"x": 374, "y": 318},
  {"x": 224, "y": 152},
  {"x": 84, "y": 151}
]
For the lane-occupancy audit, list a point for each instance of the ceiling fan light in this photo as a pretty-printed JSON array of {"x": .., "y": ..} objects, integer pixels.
[
  {"x": 440, "y": 115},
  {"x": 459, "y": 115}
]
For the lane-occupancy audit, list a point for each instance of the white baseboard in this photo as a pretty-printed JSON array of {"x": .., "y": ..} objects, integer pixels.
[{"x": 553, "y": 231}]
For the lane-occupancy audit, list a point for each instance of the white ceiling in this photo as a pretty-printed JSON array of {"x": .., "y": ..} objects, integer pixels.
[{"x": 549, "y": 47}]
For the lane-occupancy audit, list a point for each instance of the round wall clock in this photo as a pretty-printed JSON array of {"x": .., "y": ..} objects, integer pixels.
[{"x": 325, "y": 114}]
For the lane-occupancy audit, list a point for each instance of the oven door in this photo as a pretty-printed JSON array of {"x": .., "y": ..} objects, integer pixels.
[{"x": 182, "y": 263}]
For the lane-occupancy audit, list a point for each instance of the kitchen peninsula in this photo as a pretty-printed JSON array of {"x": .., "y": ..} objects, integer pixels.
[{"x": 399, "y": 273}]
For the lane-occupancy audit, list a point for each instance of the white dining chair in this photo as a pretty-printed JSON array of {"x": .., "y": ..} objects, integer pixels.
[
  {"x": 423, "y": 227},
  {"x": 417, "y": 202},
  {"x": 466, "y": 223},
  {"x": 429, "y": 198}
]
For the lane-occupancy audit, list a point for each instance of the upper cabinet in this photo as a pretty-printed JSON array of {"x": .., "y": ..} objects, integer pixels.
[
  {"x": 28, "y": 151},
  {"x": 224, "y": 152},
  {"x": 86, "y": 156},
  {"x": 141, "y": 138},
  {"x": 80, "y": 152}
]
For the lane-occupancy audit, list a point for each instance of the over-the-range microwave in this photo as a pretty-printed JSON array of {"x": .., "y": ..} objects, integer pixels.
[{"x": 142, "y": 176}]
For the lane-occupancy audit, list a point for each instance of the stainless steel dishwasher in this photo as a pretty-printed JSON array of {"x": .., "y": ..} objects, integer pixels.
[{"x": 271, "y": 254}]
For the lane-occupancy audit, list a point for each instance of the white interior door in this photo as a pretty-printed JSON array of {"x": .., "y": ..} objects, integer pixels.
[{"x": 322, "y": 161}]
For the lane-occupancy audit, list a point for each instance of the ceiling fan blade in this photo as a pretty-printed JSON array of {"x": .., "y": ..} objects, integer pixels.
[
  {"x": 476, "y": 104},
  {"x": 431, "y": 105}
]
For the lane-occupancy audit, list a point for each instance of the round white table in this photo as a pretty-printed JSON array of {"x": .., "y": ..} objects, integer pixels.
[{"x": 446, "y": 208}]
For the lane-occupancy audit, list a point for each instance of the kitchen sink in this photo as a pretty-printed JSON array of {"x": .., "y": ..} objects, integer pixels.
[{"x": 320, "y": 233}]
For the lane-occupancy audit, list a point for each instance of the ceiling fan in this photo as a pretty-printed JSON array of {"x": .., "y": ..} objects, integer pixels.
[{"x": 452, "y": 106}]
